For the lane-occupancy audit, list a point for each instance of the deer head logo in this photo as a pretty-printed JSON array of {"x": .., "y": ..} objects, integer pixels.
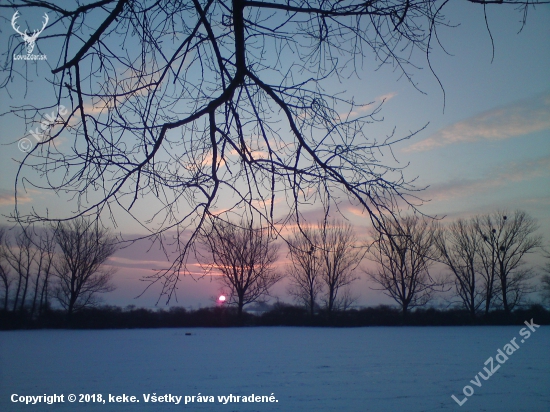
[{"x": 29, "y": 39}]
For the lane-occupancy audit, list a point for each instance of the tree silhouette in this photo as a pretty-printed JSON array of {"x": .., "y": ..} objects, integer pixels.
[
  {"x": 245, "y": 256},
  {"x": 306, "y": 267},
  {"x": 44, "y": 261},
  {"x": 340, "y": 255},
  {"x": 459, "y": 247},
  {"x": 180, "y": 108},
  {"x": 323, "y": 260},
  {"x": 404, "y": 257},
  {"x": 84, "y": 248},
  {"x": 508, "y": 239},
  {"x": 20, "y": 256},
  {"x": 26, "y": 259},
  {"x": 5, "y": 271}
]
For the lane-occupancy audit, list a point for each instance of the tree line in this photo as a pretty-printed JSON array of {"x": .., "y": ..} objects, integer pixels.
[
  {"x": 62, "y": 263},
  {"x": 278, "y": 314},
  {"x": 484, "y": 256},
  {"x": 484, "y": 259}
]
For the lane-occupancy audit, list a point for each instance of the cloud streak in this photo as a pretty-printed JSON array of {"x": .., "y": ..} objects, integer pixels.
[
  {"x": 361, "y": 109},
  {"x": 502, "y": 177},
  {"x": 7, "y": 198},
  {"x": 517, "y": 119}
]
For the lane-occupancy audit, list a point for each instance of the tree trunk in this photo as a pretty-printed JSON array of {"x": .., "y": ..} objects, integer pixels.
[
  {"x": 504, "y": 297},
  {"x": 43, "y": 296},
  {"x": 70, "y": 308},
  {"x": 405, "y": 310},
  {"x": 6, "y": 288},
  {"x": 331, "y": 300},
  {"x": 311, "y": 303},
  {"x": 240, "y": 306},
  {"x": 35, "y": 296},
  {"x": 487, "y": 303},
  {"x": 16, "y": 300}
]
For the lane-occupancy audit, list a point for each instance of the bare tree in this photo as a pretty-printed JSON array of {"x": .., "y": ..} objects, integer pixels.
[
  {"x": 84, "y": 247},
  {"x": 174, "y": 105},
  {"x": 488, "y": 263},
  {"x": 245, "y": 256},
  {"x": 20, "y": 256},
  {"x": 305, "y": 269},
  {"x": 5, "y": 275},
  {"x": 507, "y": 240},
  {"x": 44, "y": 260},
  {"x": 459, "y": 246},
  {"x": 404, "y": 256},
  {"x": 340, "y": 254},
  {"x": 29, "y": 255}
]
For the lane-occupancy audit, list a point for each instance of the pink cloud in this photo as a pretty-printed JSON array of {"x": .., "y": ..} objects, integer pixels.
[{"x": 7, "y": 198}]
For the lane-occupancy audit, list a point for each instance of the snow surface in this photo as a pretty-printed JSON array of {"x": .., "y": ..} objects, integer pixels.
[{"x": 307, "y": 369}]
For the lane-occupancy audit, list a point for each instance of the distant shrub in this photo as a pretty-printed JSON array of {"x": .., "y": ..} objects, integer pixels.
[{"x": 280, "y": 314}]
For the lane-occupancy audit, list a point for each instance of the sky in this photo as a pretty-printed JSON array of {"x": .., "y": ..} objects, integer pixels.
[{"x": 486, "y": 144}]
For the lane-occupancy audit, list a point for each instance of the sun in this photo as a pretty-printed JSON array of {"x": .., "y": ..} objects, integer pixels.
[{"x": 221, "y": 299}]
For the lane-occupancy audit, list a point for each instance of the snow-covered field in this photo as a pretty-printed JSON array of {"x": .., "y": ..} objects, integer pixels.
[{"x": 306, "y": 369}]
